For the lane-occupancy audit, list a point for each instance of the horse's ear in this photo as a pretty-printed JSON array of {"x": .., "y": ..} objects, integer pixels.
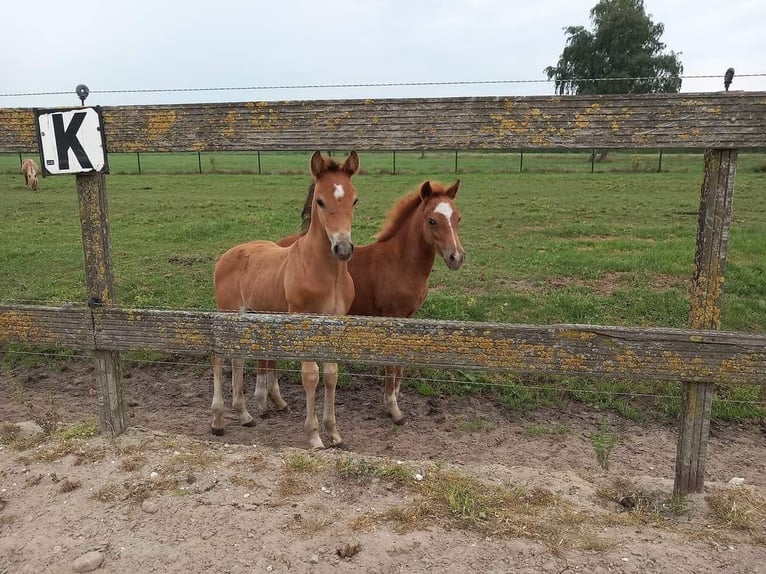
[
  {"x": 317, "y": 164},
  {"x": 351, "y": 165},
  {"x": 425, "y": 190},
  {"x": 452, "y": 191}
]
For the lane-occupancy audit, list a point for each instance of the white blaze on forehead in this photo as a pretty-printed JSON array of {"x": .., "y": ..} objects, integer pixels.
[
  {"x": 445, "y": 209},
  {"x": 339, "y": 191}
]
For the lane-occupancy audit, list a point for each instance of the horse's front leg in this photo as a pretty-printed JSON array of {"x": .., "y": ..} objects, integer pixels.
[
  {"x": 393, "y": 380},
  {"x": 328, "y": 418},
  {"x": 217, "y": 425},
  {"x": 238, "y": 392},
  {"x": 310, "y": 377}
]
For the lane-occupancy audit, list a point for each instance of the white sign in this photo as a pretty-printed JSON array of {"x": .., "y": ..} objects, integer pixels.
[{"x": 71, "y": 141}]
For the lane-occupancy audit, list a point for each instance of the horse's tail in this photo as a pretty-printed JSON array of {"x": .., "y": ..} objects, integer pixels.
[{"x": 306, "y": 212}]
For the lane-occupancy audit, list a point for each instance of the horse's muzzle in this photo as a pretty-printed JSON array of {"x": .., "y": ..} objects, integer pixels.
[
  {"x": 343, "y": 249},
  {"x": 454, "y": 259}
]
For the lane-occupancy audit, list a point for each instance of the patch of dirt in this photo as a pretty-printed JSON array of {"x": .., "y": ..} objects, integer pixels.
[{"x": 256, "y": 500}]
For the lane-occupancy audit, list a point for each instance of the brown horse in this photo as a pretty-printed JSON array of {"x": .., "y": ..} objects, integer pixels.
[
  {"x": 309, "y": 276},
  {"x": 30, "y": 170},
  {"x": 391, "y": 274}
]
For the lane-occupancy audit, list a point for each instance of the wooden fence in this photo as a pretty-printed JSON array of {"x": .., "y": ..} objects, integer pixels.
[{"x": 720, "y": 123}]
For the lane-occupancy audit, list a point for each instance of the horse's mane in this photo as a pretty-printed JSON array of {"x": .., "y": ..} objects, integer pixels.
[
  {"x": 398, "y": 214},
  {"x": 306, "y": 212},
  {"x": 332, "y": 165}
]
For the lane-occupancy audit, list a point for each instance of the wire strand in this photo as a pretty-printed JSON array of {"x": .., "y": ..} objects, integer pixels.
[
  {"x": 368, "y": 85},
  {"x": 469, "y": 383}
]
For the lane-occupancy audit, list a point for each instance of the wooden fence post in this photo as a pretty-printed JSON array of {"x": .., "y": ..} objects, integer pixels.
[
  {"x": 94, "y": 223},
  {"x": 706, "y": 298}
]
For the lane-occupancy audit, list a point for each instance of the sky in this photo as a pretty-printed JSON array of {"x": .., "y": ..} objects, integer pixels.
[{"x": 52, "y": 46}]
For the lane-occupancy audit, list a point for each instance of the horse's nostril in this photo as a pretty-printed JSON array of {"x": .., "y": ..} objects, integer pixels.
[{"x": 452, "y": 257}]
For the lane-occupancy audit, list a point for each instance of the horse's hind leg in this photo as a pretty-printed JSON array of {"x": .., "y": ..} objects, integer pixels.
[
  {"x": 261, "y": 388},
  {"x": 272, "y": 376},
  {"x": 394, "y": 376},
  {"x": 217, "y": 425},
  {"x": 238, "y": 392},
  {"x": 328, "y": 417},
  {"x": 310, "y": 377}
]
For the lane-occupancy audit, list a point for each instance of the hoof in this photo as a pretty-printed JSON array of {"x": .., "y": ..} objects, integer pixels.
[
  {"x": 216, "y": 432},
  {"x": 284, "y": 409},
  {"x": 340, "y": 446},
  {"x": 250, "y": 423},
  {"x": 398, "y": 419},
  {"x": 316, "y": 444}
]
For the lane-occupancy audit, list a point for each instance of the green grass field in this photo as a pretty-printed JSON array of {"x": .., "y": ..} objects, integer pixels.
[{"x": 555, "y": 244}]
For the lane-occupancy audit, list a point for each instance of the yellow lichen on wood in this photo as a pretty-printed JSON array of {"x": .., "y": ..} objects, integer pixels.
[
  {"x": 573, "y": 362},
  {"x": 159, "y": 123},
  {"x": 184, "y": 337},
  {"x": 21, "y": 121},
  {"x": 578, "y": 335},
  {"x": 333, "y": 122},
  {"x": 16, "y": 326},
  {"x": 230, "y": 123},
  {"x": 268, "y": 119}
]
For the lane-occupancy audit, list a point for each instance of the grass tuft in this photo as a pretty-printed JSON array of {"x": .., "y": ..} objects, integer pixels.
[
  {"x": 603, "y": 443},
  {"x": 739, "y": 509}
]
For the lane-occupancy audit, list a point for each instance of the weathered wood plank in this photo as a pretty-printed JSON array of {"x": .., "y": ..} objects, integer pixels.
[
  {"x": 67, "y": 327},
  {"x": 99, "y": 282},
  {"x": 706, "y": 120},
  {"x": 715, "y": 213},
  {"x": 576, "y": 350}
]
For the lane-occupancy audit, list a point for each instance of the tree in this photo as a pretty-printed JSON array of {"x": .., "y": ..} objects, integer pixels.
[{"x": 624, "y": 43}]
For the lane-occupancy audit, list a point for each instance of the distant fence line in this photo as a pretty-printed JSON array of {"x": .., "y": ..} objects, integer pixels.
[{"x": 260, "y": 164}]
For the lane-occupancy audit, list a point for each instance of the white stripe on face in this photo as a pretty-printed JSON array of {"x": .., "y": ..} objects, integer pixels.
[
  {"x": 339, "y": 191},
  {"x": 445, "y": 209}
]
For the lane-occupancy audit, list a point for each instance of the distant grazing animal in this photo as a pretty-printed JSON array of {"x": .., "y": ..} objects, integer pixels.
[
  {"x": 309, "y": 276},
  {"x": 30, "y": 170},
  {"x": 391, "y": 274}
]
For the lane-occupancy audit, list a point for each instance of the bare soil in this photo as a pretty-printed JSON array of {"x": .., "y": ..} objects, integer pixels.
[{"x": 254, "y": 500}]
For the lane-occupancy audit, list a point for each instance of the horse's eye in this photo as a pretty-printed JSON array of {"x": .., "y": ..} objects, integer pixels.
[
  {"x": 459, "y": 219},
  {"x": 431, "y": 221},
  {"x": 356, "y": 201},
  {"x": 320, "y": 202}
]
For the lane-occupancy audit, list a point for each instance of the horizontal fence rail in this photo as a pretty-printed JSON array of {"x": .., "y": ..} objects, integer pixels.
[
  {"x": 682, "y": 121},
  {"x": 575, "y": 350}
]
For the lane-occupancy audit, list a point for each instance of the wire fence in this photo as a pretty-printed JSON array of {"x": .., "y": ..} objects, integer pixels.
[
  {"x": 368, "y": 85},
  {"x": 259, "y": 162},
  {"x": 424, "y": 381}
]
